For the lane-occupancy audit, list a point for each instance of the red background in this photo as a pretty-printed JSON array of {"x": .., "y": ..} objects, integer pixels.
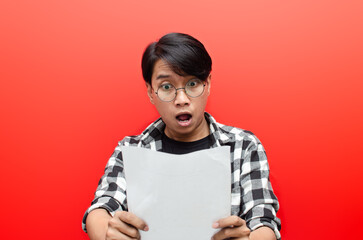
[{"x": 71, "y": 87}]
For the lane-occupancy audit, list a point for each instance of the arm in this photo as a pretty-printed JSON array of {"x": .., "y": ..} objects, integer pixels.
[
  {"x": 263, "y": 233},
  {"x": 234, "y": 227},
  {"x": 259, "y": 203},
  {"x": 110, "y": 195},
  {"x": 107, "y": 218},
  {"x": 97, "y": 224},
  {"x": 257, "y": 210}
]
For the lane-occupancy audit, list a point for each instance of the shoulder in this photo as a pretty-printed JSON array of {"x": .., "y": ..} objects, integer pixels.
[
  {"x": 130, "y": 140},
  {"x": 148, "y": 137},
  {"x": 240, "y": 137},
  {"x": 225, "y": 133},
  {"x": 243, "y": 143},
  {"x": 238, "y": 134}
]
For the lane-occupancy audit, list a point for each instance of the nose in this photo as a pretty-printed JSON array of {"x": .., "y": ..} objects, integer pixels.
[{"x": 181, "y": 97}]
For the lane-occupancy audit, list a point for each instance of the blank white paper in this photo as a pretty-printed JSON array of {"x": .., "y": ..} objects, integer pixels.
[{"x": 178, "y": 196}]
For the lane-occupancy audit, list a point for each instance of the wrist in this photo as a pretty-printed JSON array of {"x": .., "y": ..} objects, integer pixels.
[{"x": 97, "y": 224}]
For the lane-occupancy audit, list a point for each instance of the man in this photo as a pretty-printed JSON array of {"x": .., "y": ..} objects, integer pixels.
[{"x": 176, "y": 70}]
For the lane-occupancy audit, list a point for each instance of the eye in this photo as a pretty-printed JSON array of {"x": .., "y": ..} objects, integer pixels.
[
  {"x": 193, "y": 83},
  {"x": 166, "y": 87}
]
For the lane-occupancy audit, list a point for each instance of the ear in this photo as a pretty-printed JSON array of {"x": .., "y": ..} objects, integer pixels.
[
  {"x": 150, "y": 92},
  {"x": 208, "y": 83}
]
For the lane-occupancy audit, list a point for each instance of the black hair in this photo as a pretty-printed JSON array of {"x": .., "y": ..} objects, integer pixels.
[{"x": 185, "y": 55}]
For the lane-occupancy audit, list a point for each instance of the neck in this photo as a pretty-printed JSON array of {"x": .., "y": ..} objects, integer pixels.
[{"x": 201, "y": 131}]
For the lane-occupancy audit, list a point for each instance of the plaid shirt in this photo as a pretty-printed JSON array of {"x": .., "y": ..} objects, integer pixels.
[{"x": 252, "y": 197}]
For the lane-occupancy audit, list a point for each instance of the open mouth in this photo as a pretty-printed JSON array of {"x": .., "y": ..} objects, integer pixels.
[{"x": 184, "y": 118}]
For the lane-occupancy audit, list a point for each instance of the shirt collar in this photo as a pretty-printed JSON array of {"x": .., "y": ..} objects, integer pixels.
[{"x": 222, "y": 137}]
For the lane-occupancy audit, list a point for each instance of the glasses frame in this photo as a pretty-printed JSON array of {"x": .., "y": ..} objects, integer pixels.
[{"x": 176, "y": 90}]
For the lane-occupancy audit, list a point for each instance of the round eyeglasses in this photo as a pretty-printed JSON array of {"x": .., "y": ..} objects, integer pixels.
[{"x": 167, "y": 92}]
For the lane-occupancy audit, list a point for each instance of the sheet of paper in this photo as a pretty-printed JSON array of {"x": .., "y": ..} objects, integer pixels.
[{"x": 179, "y": 196}]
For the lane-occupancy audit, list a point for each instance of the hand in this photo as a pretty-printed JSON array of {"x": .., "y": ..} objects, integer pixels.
[
  {"x": 232, "y": 227},
  {"x": 125, "y": 225}
]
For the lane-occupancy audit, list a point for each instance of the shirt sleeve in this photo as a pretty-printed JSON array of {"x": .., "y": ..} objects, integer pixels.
[
  {"x": 259, "y": 203},
  {"x": 111, "y": 190}
]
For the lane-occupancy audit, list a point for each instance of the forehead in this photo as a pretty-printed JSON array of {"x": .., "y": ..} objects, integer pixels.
[{"x": 163, "y": 70}]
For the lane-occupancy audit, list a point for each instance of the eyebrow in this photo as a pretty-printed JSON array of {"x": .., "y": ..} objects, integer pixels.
[{"x": 162, "y": 76}]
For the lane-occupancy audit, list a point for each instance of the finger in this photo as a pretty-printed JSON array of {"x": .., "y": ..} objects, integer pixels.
[
  {"x": 133, "y": 220},
  {"x": 241, "y": 238},
  {"x": 230, "y": 221},
  {"x": 115, "y": 224},
  {"x": 113, "y": 233},
  {"x": 233, "y": 233}
]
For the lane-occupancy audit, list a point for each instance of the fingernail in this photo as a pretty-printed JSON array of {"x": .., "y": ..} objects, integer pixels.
[
  {"x": 146, "y": 228},
  {"x": 215, "y": 225}
]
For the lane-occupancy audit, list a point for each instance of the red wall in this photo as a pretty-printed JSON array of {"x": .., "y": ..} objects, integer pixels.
[{"x": 71, "y": 87}]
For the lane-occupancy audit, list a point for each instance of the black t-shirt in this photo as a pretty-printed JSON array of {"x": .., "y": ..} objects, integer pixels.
[{"x": 176, "y": 147}]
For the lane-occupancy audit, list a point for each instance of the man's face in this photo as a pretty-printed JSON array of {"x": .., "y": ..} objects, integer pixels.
[{"x": 184, "y": 116}]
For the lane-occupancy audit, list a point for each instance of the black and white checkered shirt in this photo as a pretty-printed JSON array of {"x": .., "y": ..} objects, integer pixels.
[{"x": 252, "y": 197}]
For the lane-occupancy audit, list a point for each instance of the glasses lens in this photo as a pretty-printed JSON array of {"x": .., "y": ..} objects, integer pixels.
[
  {"x": 194, "y": 88},
  {"x": 166, "y": 92}
]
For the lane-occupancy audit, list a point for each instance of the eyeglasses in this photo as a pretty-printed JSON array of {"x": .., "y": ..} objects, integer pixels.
[{"x": 167, "y": 92}]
